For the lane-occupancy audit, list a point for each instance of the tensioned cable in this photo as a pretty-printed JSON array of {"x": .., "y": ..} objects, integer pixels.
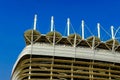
[
  {"x": 105, "y": 31},
  {"x": 88, "y": 29},
  {"x": 93, "y": 40},
  {"x": 71, "y": 27},
  {"x": 65, "y": 30},
  {"x": 118, "y": 33}
]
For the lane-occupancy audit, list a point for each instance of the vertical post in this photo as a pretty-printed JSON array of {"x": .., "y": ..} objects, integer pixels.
[
  {"x": 93, "y": 42},
  {"x": 75, "y": 40},
  {"x": 109, "y": 73},
  {"x": 51, "y": 73},
  {"x": 91, "y": 70},
  {"x": 72, "y": 70},
  {"x": 98, "y": 27},
  {"x": 54, "y": 38},
  {"x": 52, "y": 23},
  {"x": 82, "y": 29},
  {"x": 29, "y": 77},
  {"x": 32, "y": 36},
  {"x": 68, "y": 26},
  {"x": 35, "y": 21}
]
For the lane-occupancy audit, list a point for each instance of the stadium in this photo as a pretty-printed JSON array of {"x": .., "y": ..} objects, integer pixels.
[{"x": 52, "y": 56}]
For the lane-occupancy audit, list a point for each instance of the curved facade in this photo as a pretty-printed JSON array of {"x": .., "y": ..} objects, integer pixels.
[{"x": 67, "y": 59}]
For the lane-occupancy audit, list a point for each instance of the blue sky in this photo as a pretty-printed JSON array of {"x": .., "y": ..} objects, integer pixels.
[{"x": 16, "y": 16}]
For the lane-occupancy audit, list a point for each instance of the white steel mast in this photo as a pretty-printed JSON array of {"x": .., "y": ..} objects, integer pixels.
[
  {"x": 112, "y": 32},
  {"x": 113, "y": 38},
  {"x": 68, "y": 26},
  {"x": 82, "y": 24},
  {"x": 98, "y": 27},
  {"x": 52, "y": 23},
  {"x": 35, "y": 21}
]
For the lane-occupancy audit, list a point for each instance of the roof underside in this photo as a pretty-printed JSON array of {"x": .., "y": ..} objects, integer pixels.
[{"x": 72, "y": 40}]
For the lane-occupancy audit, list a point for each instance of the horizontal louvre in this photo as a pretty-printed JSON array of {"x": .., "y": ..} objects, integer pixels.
[{"x": 63, "y": 68}]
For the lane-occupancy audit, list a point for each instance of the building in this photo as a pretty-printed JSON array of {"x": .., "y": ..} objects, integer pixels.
[{"x": 55, "y": 57}]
